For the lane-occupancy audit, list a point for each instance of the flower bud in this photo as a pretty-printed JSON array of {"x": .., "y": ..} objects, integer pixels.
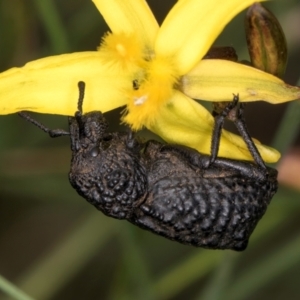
[{"x": 266, "y": 41}]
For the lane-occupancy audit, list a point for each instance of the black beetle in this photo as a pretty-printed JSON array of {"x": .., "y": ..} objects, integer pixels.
[{"x": 171, "y": 190}]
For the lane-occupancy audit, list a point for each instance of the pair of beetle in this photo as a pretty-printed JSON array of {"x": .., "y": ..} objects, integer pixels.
[{"x": 171, "y": 190}]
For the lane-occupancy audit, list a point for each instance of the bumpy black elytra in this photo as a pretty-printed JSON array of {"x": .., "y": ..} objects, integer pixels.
[{"x": 171, "y": 190}]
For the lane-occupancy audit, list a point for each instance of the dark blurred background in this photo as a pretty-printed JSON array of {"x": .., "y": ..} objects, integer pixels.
[{"x": 53, "y": 245}]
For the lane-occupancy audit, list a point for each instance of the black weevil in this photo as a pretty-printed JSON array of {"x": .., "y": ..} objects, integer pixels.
[{"x": 170, "y": 190}]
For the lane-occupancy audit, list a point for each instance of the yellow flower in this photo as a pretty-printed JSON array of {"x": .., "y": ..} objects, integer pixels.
[{"x": 154, "y": 71}]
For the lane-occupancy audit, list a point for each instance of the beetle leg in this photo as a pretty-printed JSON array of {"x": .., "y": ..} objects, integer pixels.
[
  {"x": 235, "y": 113},
  {"x": 132, "y": 142},
  {"x": 243, "y": 130},
  {"x": 231, "y": 167},
  {"x": 219, "y": 123}
]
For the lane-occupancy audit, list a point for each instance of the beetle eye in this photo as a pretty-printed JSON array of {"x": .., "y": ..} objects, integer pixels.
[{"x": 94, "y": 152}]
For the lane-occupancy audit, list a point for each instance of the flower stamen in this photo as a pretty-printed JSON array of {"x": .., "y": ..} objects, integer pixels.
[
  {"x": 124, "y": 49},
  {"x": 155, "y": 88}
]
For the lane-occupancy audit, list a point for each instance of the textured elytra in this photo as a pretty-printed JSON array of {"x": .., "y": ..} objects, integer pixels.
[
  {"x": 170, "y": 190},
  {"x": 213, "y": 213}
]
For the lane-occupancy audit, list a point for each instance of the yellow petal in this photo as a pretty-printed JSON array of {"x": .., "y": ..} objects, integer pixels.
[
  {"x": 191, "y": 27},
  {"x": 49, "y": 85},
  {"x": 183, "y": 121},
  {"x": 217, "y": 80},
  {"x": 129, "y": 16}
]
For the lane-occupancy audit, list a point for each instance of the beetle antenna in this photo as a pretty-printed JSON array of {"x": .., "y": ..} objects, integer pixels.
[
  {"x": 52, "y": 132},
  {"x": 81, "y": 87}
]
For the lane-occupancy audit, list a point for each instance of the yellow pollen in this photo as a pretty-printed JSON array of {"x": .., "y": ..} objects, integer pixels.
[
  {"x": 121, "y": 49},
  {"x": 155, "y": 90}
]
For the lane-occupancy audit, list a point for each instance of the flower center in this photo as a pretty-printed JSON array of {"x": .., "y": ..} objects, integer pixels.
[
  {"x": 153, "y": 77},
  {"x": 154, "y": 89}
]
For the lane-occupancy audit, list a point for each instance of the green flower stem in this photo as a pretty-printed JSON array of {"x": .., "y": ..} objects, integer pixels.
[
  {"x": 52, "y": 272},
  {"x": 90, "y": 18},
  {"x": 13, "y": 291},
  {"x": 137, "y": 271},
  {"x": 266, "y": 270},
  {"x": 132, "y": 276},
  {"x": 53, "y": 25},
  {"x": 221, "y": 279},
  {"x": 289, "y": 127},
  {"x": 193, "y": 268}
]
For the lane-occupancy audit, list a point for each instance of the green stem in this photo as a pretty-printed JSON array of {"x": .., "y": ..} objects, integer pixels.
[
  {"x": 192, "y": 269},
  {"x": 137, "y": 271},
  {"x": 216, "y": 287},
  {"x": 264, "y": 271},
  {"x": 289, "y": 127},
  {"x": 53, "y": 25},
  {"x": 12, "y": 291},
  {"x": 50, "y": 273}
]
